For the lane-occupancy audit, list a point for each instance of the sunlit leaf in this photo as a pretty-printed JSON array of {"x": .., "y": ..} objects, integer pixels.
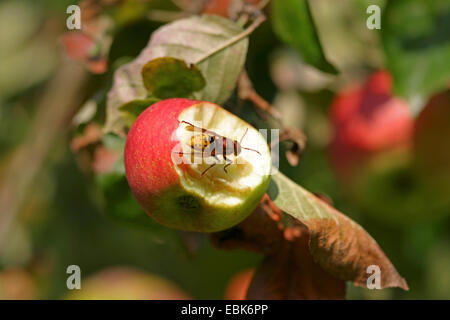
[
  {"x": 217, "y": 46},
  {"x": 294, "y": 24}
]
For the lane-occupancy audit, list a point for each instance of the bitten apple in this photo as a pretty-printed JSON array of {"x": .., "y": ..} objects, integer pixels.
[{"x": 169, "y": 178}]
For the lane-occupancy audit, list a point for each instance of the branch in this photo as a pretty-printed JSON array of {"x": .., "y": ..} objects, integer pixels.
[
  {"x": 298, "y": 138},
  {"x": 56, "y": 106},
  {"x": 247, "y": 92},
  {"x": 234, "y": 39}
]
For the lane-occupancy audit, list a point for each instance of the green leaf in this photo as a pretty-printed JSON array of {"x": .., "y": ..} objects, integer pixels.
[
  {"x": 217, "y": 46},
  {"x": 293, "y": 23},
  {"x": 338, "y": 244},
  {"x": 134, "y": 108},
  {"x": 416, "y": 39},
  {"x": 169, "y": 77}
]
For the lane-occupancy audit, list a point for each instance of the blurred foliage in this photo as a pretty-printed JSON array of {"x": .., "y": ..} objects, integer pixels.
[
  {"x": 88, "y": 217},
  {"x": 292, "y": 21},
  {"x": 416, "y": 37}
]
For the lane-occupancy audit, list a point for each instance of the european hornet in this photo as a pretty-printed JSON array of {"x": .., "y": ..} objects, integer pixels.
[{"x": 208, "y": 142}]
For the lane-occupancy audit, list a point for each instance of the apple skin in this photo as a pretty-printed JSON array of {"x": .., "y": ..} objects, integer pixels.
[
  {"x": 155, "y": 183},
  {"x": 148, "y": 159}
]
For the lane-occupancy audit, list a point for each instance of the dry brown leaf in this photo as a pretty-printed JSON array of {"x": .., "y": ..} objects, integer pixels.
[
  {"x": 288, "y": 271},
  {"x": 257, "y": 233},
  {"x": 291, "y": 273},
  {"x": 338, "y": 244},
  {"x": 298, "y": 144}
]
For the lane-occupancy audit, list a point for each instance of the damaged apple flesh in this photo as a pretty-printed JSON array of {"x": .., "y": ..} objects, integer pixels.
[{"x": 173, "y": 181}]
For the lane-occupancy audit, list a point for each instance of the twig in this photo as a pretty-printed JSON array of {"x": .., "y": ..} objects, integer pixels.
[
  {"x": 247, "y": 92},
  {"x": 58, "y": 103},
  {"x": 234, "y": 39},
  {"x": 249, "y": 11},
  {"x": 262, "y": 4}
]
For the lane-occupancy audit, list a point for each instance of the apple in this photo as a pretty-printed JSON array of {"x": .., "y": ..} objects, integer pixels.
[
  {"x": 367, "y": 120},
  {"x": 175, "y": 185},
  {"x": 371, "y": 153},
  {"x": 122, "y": 283}
]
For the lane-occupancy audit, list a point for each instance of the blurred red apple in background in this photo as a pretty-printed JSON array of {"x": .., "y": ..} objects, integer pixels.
[
  {"x": 367, "y": 120},
  {"x": 371, "y": 151}
]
